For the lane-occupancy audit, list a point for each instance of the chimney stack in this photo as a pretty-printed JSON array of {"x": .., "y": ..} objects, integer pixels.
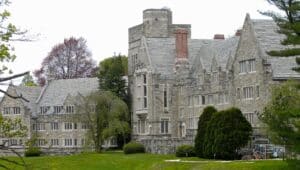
[
  {"x": 181, "y": 44},
  {"x": 219, "y": 37},
  {"x": 238, "y": 32}
]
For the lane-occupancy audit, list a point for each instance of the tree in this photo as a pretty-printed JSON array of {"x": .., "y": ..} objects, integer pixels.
[
  {"x": 289, "y": 25},
  {"x": 112, "y": 77},
  {"x": 28, "y": 81},
  {"x": 19, "y": 130},
  {"x": 106, "y": 115},
  {"x": 202, "y": 127},
  {"x": 282, "y": 115},
  {"x": 283, "y": 109},
  {"x": 227, "y": 132},
  {"x": 70, "y": 59}
]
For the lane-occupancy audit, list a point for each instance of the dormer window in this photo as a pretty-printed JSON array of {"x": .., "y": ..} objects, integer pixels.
[
  {"x": 69, "y": 109},
  {"x": 57, "y": 109}
]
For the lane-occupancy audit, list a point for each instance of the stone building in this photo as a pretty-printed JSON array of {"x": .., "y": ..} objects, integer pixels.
[
  {"x": 172, "y": 77},
  {"x": 49, "y": 115}
]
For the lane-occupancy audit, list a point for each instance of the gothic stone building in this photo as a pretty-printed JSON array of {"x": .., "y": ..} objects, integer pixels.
[
  {"x": 48, "y": 115},
  {"x": 173, "y": 77}
]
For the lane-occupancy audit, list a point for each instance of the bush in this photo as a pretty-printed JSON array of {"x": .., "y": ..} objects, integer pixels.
[
  {"x": 202, "y": 127},
  {"x": 133, "y": 147},
  {"x": 33, "y": 151},
  {"x": 226, "y": 133},
  {"x": 185, "y": 151}
]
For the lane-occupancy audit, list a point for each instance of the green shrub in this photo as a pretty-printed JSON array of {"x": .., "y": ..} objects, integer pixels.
[
  {"x": 202, "y": 127},
  {"x": 133, "y": 147},
  {"x": 33, "y": 151},
  {"x": 185, "y": 151}
]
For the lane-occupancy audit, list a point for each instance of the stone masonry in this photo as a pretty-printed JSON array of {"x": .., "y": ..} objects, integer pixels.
[{"x": 172, "y": 77}]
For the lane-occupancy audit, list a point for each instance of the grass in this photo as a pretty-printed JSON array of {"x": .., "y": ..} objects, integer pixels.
[{"x": 119, "y": 161}]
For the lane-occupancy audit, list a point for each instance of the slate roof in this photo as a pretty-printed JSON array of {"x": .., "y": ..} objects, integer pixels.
[
  {"x": 56, "y": 91},
  {"x": 200, "y": 52},
  {"x": 268, "y": 39},
  {"x": 29, "y": 93}
]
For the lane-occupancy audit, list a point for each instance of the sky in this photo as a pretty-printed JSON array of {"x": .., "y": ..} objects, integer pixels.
[{"x": 104, "y": 23}]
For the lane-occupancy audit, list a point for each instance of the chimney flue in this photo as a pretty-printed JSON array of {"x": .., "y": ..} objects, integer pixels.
[
  {"x": 181, "y": 44},
  {"x": 219, "y": 37}
]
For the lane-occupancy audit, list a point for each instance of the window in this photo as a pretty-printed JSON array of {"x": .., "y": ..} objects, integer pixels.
[
  {"x": 238, "y": 93},
  {"x": 164, "y": 126},
  {"x": 58, "y": 109},
  {"x": 221, "y": 98},
  {"x": 190, "y": 100},
  {"x": 68, "y": 126},
  {"x": 257, "y": 91},
  {"x": 44, "y": 109},
  {"x": 141, "y": 126},
  {"x": 75, "y": 125},
  {"x": 68, "y": 142},
  {"x": 247, "y": 66},
  {"x": 249, "y": 117},
  {"x": 69, "y": 109},
  {"x": 75, "y": 142},
  {"x": 6, "y": 110},
  {"x": 84, "y": 126},
  {"x": 215, "y": 77},
  {"x": 13, "y": 142},
  {"x": 83, "y": 142},
  {"x": 16, "y": 110},
  {"x": 248, "y": 92},
  {"x": 251, "y": 65},
  {"x": 145, "y": 78},
  {"x": 145, "y": 102},
  {"x": 145, "y": 90},
  {"x": 165, "y": 97},
  {"x": 226, "y": 97},
  {"x": 197, "y": 100},
  {"x": 54, "y": 126},
  {"x": 54, "y": 142},
  {"x": 210, "y": 99},
  {"x": 203, "y": 100},
  {"x": 41, "y": 142},
  {"x": 38, "y": 126}
]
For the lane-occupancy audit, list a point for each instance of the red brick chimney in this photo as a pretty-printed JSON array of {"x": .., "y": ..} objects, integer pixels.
[
  {"x": 219, "y": 37},
  {"x": 238, "y": 32},
  {"x": 181, "y": 44}
]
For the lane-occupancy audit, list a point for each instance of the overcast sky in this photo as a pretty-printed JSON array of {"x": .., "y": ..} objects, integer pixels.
[{"x": 104, "y": 24}]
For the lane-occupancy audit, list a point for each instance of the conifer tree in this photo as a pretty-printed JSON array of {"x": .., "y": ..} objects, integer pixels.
[{"x": 289, "y": 25}]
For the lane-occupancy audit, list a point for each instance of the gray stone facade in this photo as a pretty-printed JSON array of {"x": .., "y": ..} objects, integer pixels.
[
  {"x": 173, "y": 77},
  {"x": 50, "y": 115}
]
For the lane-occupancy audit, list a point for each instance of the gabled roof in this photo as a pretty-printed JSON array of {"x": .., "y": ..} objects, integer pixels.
[
  {"x": 269, "y": 39},
  {"x": 55, "y": 93},
  {"x": 30, "y": 93},
  {"x": 200, "y": 51}
]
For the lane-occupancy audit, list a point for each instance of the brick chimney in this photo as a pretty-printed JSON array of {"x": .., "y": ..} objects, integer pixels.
[
  {"x": 181, "y": 44},
  {"x": 238, "y": 32},
  {"x": 219, "y": 37}
]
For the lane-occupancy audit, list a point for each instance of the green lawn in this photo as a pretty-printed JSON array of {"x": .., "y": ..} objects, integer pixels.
[{"x": 119, "y": 161}]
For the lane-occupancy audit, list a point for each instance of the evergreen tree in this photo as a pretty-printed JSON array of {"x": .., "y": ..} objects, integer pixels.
[
  {"x": 202, "y": 127},
  {"x": 289, "y": 25},
  {"x": 227, "y": 132}
]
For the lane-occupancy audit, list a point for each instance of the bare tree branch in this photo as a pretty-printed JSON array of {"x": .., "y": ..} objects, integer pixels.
[
  {"x": 13, "y": 76},
  {"x": 14, "y": 97}
]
